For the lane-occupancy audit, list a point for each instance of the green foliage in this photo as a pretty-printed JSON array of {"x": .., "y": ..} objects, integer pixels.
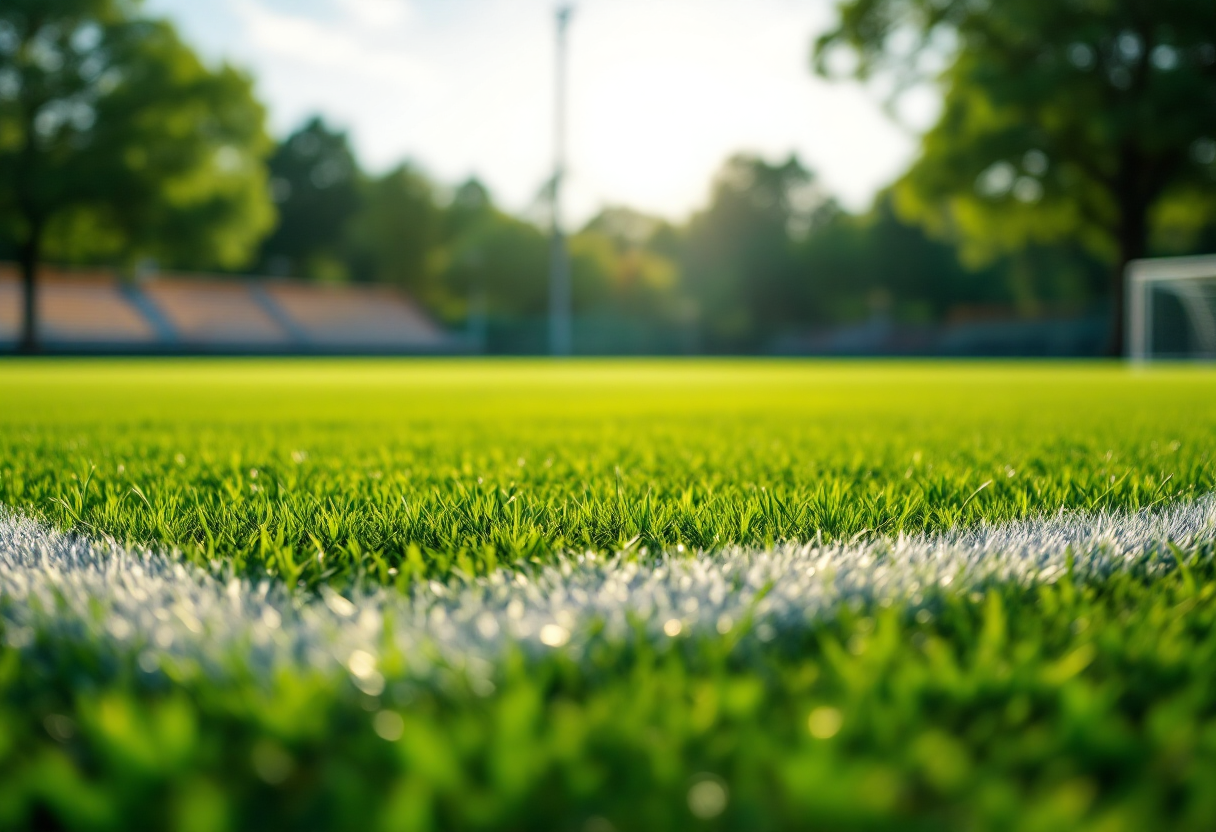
[
  {"x": 116, "y": 142},
  {"x": 501, "y": 262},
  {"x": 315, "y": 183},
  {"x": 622, "y": 274},
  {"x": 397, "y": 232},
  {"x": 876, "y": 264},
  {"x": 739, "y": 264},
  {"x": 492, "y": 256},
  {"x": 1080, "y": 121},
  {"x": 770, "y": 254},
  {"x": 485, "y": 464},
  {"x": 871, "y": 265}
]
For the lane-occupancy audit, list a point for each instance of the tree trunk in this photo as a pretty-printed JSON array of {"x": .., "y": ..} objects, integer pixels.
[
  {"x": 29, "y": 255},
  {"x": 1133, "y": 244}
]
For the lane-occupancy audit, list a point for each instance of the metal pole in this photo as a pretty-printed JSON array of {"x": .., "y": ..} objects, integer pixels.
[{"x": 561, "y": 335}]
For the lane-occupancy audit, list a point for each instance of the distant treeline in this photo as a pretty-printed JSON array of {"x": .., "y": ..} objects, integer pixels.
[
  {"x": 1072, "y": 141},
  {"x": 771, "y": 253}
]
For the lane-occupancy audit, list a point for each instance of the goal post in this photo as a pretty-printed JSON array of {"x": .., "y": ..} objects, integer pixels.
[{"x": 1171, "y": 308}]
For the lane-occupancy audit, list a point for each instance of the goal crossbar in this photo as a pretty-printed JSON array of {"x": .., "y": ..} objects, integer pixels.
[{"x": 1184, "y": 277}]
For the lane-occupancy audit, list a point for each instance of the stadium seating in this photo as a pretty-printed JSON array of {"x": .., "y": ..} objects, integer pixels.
[
  {"x": 209, "y": 312},
  {"x": 78, "y": 308},
  {"x": 370, "y": 317},
  {"x": 83, "y": 310}
]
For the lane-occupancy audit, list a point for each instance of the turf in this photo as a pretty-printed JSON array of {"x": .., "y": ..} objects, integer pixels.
[
  {"x": 323, "y": 471},
  {"x": 1081, "y": 699}
]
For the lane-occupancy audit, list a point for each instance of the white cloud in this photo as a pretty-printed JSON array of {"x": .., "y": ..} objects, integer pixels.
[
  {"x": 661, "y": 92},
  {"x": 341, "y": 49},
  {"x": 377, "y": 14}
]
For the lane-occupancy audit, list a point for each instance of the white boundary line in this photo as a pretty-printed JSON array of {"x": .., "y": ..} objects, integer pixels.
[{"x": 58, "y": 589}]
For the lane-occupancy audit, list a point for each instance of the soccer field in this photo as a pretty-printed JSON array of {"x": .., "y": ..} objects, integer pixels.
[
  {"x": 478, "y": 465},
  {"x": 606, "y": 595}
]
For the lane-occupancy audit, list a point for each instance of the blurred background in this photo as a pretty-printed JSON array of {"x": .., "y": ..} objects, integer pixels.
[{"x": 868, "y": 177}]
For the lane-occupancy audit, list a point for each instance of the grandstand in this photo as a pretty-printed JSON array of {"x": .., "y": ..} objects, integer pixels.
[
  {"x": 76, "y": 309},
  {"x": 95, "y": 311}
]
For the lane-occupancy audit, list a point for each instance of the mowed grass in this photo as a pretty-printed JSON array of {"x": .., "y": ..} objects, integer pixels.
[
  {"x": 319, "y": 471},
  {"x": 1070, "y": 705}
]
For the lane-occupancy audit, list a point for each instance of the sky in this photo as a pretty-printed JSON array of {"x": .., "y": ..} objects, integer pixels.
[{"x": 662, "y": 92}]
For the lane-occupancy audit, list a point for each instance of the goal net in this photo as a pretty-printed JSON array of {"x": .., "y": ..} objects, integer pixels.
[{"x": 1171, "y": 308}]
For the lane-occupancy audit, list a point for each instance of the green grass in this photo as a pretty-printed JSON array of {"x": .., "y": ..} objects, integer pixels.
[
  {"x": 1071, "y": 706},
  {"x": 1064, "y": 709},
  {"x": 474, "y": 465}
]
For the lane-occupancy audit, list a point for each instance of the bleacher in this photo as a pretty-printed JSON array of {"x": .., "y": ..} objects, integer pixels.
[
  {"x": 77, "y": 309},
  {"x": 211, "y": 312},
  {"x": 330, "y": 315},
  {"x": 82, "y": 310}
]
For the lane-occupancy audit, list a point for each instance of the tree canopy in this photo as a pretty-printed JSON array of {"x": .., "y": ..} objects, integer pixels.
[
  {"x": 315, "y": 184},
  {"x": 739, "y": 255},
  {"x": 117, "y": 142},
  {"x": 1063, "y": 120}
]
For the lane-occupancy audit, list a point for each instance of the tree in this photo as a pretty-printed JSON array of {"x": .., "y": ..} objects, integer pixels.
[
  {"x": 1083, "y": 120},
  {"x": 396, "y": 233},
  {"x": 315, "y": 183},
  {"x": 739, "y": 261},
  {"x": 115, "y": 140},
  {"x": 488, "y": 255},
  {"x": 876, "y": 263},
  {"x": 616, "y": 269}
]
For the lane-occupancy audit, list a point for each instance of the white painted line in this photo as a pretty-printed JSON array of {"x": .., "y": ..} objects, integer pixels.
[{"x": 58, "y": 588}]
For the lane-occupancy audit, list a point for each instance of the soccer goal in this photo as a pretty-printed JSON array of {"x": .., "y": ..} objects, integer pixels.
[{"x": 1171, "y": 308}]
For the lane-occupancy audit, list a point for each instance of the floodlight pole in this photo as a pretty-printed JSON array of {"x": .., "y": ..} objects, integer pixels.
[{"x": 561, "y": 335}]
